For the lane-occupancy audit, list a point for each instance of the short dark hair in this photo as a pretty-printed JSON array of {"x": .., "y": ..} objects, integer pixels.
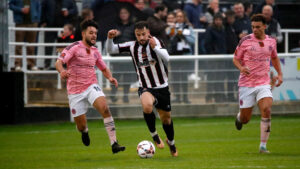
[
  {"x": 160, "y": 7},
  {"x": 258, "y": 18},
  {"x": 141, "y": 25},
  {"x": 229, "y": 13},
  {"x": 85, "y": 24}
]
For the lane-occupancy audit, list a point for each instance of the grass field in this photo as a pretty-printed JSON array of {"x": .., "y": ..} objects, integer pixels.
[{"x": 201, "y": 143}]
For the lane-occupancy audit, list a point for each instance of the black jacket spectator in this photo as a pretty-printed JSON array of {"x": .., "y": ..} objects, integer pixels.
[
  {"x": 215, "y": 42},
  {"x": 242, "y": 25}
]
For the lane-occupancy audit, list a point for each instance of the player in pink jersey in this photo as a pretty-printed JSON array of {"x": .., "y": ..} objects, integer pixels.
[
  {"x": 252, "y": 57},
  {"x": 81, "y": 57}
]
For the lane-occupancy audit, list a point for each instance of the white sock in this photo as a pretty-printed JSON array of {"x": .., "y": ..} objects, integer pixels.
[
  {"x": 153, "y": 134},
  {"x": 238, "y": 116},
  {"x": 109, "y": 125},
  {"x": 171, "y": 142},
  {"x": 262, "y": 144}
]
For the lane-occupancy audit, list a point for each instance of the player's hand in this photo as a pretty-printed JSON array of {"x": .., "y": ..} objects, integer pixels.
[
  {"x": 113, "y": 81},
  {"x": 64, "y": 74},
  {"x": 112, "y": 34},
  {"x": 152, "y": 42},
  {"x": 279, "y": 80},
  {"x": 245, "y": 70}
]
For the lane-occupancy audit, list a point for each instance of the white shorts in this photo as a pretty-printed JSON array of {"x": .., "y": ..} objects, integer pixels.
[
  {"x": 79, "y": 103},
  {"x": 248, "y": 96}
]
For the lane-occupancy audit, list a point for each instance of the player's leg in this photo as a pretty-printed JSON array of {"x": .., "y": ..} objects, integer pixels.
[
  {"x": 165, "y": 117},
  {"x": 79, "y": 106},
  {"x": 81, "y": 125},
  {"x": 246, "y": 100},
  {"x": 264, "y": 105},
  {"x": 101, "y": 106},
  {"x": 147, "y": 100}
]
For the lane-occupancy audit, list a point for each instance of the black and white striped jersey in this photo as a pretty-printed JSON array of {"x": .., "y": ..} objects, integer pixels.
[{"x": 149, "y": 63}]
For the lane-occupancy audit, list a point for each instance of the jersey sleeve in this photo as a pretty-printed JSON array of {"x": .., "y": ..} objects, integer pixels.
[
  {"x": 124, "y": 47},
  {"x": 240, "y": 49},
  {"x": 99, "y": 61},
  {"x": 68, "y": 52}
]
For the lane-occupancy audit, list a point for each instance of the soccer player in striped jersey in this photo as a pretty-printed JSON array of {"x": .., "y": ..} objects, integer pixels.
[
  {"x": 252, "y": 57},
  {"x": 81, "y": 57},
  {"x": 149, "y": 58}
]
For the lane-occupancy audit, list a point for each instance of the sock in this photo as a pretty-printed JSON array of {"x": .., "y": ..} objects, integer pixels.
[
  {"x": 265, "y": 125},
  {"x": 110, "y": 129},
  {"x": 169, "y": 130},
  {"x": 238, "y": 116},
  {"x": 150, "y": 120}
]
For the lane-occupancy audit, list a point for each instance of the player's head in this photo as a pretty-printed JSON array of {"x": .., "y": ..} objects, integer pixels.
[
  {"x": 89, "y": 32},
  {"x": 258, "y": 23},
  {"x": 142, "y": 32}
]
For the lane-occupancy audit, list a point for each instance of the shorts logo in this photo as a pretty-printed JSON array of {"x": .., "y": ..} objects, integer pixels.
[
  {"x": 241, "y": 102},
  {"x": 63, "y": 55},
  {"x": 73, "y": 111}
]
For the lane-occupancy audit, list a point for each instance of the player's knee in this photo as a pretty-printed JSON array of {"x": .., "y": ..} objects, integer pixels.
[
  {"x": 106, "y": 111},
  {"x": 147, "y": 108},
  {"x": 267, "y": 112}
]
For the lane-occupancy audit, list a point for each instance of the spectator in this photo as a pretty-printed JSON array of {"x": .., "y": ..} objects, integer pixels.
[
  {"x": 215, "y": 43},
  {"x": 56, "y": 13},
  {"x": 26, "y": 13},
  {"x": 170, "y": 30},
  {"x": 173, "y": 5},
  {"x": 259, "y": 8},
  {"x": 150, "y": 4},
  {"x": 273, "y": 26},
  {"x": 242, "y": 24},
  {"x": 231, "y": 43},
  {"x": 182, "y": 44},
  {"x": 212, "y": 10},
  {"x": 195, "y": 14},
  {"x": 125, "y": 33},
  {"x": 157, "y": 24},
  {"x": 87, "y": 4},
  {"x": 248, "y": 8},
  {"x": 86, "y": 14},
  {"x": 144, "y": 7},
  {"x": 66, "y": 36}
]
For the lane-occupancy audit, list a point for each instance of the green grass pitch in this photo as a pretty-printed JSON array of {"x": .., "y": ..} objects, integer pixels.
[{"x": 201, "y": 143}]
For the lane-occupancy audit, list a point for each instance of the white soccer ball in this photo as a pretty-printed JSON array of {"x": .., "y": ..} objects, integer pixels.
[{"x": 145, "y": 149}]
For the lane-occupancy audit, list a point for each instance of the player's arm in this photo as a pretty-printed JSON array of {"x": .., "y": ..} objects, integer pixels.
[
  {"x": 161, "y": 52},
  {"x": 276, "y": 63},
  {"x": 239, "y": 66},
  {"x": 110, "y": 46},
  {"x": 107, "y": 74},
  {"x": 61, "y": 70}
]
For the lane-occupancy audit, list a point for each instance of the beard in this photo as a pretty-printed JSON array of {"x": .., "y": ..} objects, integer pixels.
[
  {"x": 89, "y": 42},
  {"x": 143, "y": 42}
]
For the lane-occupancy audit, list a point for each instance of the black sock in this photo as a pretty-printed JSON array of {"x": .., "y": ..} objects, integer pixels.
[
  {"x": 169, "y": 130},
  {"x": 150, "y": 120}
]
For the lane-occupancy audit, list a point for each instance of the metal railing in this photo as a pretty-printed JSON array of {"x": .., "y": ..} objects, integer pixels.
[{"x": 195, "y": 58}]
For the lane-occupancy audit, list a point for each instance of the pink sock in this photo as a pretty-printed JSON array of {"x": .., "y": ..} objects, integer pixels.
[
  {"x": 109, "y": 125},
  {"x": 265, "y": 126}
]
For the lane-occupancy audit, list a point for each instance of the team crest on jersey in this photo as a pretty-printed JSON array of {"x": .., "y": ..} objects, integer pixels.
[
  {"x": 261, "y": 44},
  {"x": 88, "y": 51},
  {"x": 63, "y": 55}
]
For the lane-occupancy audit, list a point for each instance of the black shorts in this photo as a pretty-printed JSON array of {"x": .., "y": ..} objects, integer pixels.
[{"x": 162, "y": 97}]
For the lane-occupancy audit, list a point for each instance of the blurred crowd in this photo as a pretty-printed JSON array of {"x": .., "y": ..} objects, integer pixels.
[{"x": 173, "y": 22}]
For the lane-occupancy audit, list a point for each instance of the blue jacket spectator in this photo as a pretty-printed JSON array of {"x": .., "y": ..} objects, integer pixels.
[
  {"x": 194, "y": 11},
  {"x": 17, "y": 5}
]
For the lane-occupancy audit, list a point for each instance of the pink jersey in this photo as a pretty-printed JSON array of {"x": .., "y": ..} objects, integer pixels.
[
  {"x": 81, "y": 62},
  {"x": 255, "y": 54}
]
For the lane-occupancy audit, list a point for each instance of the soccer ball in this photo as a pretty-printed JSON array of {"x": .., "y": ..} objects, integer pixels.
[{"x": 145, "y": 149}]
